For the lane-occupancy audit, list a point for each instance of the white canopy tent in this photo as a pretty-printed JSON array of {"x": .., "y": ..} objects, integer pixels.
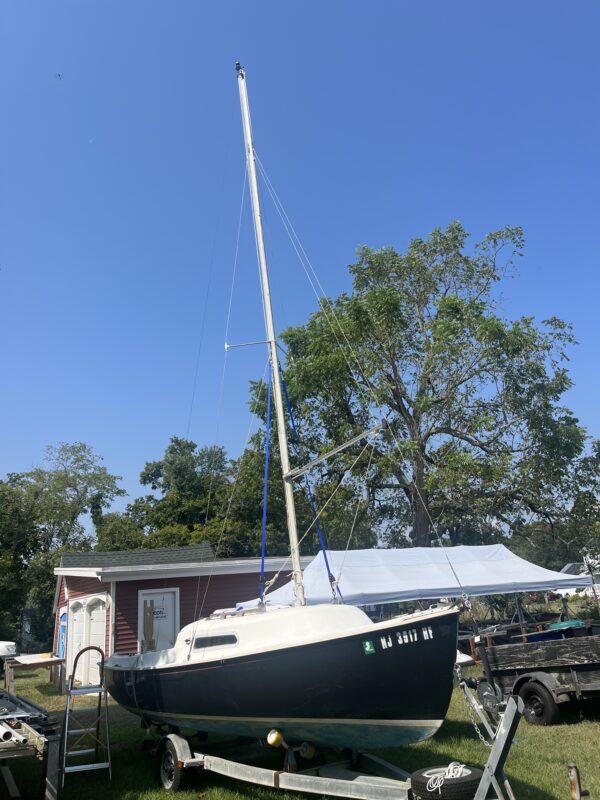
[{"x": 371, "y": 577}]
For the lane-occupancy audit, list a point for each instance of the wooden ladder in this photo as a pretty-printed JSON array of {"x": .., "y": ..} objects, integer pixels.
[{"x": 91, "y": 737}]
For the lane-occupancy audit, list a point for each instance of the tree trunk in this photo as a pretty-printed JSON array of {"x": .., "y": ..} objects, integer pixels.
[
  {"x": 420, "y": 534},
  {"x": 421, "y": 530}
]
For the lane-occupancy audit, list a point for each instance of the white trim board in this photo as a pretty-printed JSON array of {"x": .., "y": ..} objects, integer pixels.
[{"x": 201, "y": 568}]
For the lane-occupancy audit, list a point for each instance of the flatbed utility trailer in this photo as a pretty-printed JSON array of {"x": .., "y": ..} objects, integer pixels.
[
  {"x": 547, "y": 673},
  {"x": 362, "y": 776}
]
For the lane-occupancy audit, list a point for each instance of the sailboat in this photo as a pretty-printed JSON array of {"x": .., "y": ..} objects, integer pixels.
[{"x": 324, "y": 674}]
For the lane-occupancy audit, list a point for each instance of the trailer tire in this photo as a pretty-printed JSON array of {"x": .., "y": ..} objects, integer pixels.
[
  {"x": 540, "y": 707},
  {"x": 463, "y": 788},
  {"x": 170, "y": 771}
]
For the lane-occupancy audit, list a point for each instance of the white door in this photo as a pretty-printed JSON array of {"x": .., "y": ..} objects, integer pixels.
[
  {"x": 96, "y": 636},
  {"x": 76, "y": 634},
  {"x": 158, "y": 618}
]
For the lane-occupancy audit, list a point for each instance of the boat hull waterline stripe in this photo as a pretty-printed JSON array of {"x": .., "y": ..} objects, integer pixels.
[{"x": 404, "y": 723}]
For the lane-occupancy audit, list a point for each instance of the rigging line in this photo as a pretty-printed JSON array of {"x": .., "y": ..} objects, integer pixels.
[
  {"x": 202, "y": 326},
  {"x": 223, "y": 527},
  {"x": 356, "y": 514},
  {"x": 321, "y": 510},
  {"x": 235, "y": 482},
  {"x": 235, "y": 258},
  {"x": 309, "y": 493},
  {"x": 223, "y": 371},
  {"x": 297, "y": 246},
  {"x": 434, "y": 526},
  {"x": 258, "y": 250},
  {"x": 303, "y": 257},
  {"x": 435, "y": 530},
  {"x": 369, "y": 387},
  {"x": 220, "y": 403}
]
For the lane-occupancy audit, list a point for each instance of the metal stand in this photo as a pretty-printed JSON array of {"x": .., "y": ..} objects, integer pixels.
[
  {"x": 493, "y": 773},
  {"x": 84, "y": 731},
  {"x": 500, "y": 743}
]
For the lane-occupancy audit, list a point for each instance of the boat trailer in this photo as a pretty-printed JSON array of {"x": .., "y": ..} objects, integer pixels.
[{"x": 363, "y": 776}]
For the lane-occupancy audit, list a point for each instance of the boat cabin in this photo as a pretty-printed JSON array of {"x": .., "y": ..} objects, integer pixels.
[{"x": 134, "y": 601}]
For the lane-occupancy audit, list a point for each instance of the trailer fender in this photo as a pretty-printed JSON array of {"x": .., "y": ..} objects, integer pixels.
[
  {"x": 181, "y": 745},
  {"x": 548, "y": 680}
]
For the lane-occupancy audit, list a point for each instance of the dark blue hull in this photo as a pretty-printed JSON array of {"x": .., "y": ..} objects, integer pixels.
[{"x": 385, "y": 688}]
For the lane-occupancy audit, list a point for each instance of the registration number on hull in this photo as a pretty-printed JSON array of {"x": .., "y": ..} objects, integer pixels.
[{"x": 397, "y": 638}]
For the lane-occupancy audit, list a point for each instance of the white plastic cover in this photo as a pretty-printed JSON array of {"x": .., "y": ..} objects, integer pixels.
[{"x": 369, "y": 577}]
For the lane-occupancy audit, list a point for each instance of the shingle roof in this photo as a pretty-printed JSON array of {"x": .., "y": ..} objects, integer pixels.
[{"x": 125, "y": 558}]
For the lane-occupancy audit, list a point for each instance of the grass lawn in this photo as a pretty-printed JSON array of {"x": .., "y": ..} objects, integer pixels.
[{"x": 536, "y": 765}]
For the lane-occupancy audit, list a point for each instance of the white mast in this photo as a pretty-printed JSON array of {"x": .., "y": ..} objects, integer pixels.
[{"x": 272, "y": 340}]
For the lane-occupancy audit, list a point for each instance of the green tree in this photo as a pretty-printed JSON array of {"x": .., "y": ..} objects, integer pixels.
[
  {"x": 569, "y": 530},
  {"x": 191, "y": 482},
  {"x": 116, "y": 531},
  {"x": 74, "y": 483},
  {"x": 478, "y": 435},
  {"x": 51, "y": 503},
  {"x": 18, "y": 542}
]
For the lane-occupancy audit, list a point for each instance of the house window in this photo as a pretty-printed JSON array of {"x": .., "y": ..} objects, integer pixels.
[{"x": 214, "y": 641}]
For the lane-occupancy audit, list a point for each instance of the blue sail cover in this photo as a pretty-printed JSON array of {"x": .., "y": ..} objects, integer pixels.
[{"x": 370, "y": 577}]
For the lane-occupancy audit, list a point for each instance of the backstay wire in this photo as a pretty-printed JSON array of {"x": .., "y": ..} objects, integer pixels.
[{"x": 325, "y": 304}]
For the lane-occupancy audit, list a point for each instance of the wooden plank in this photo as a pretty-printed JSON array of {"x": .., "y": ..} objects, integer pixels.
[{"x": 551, "y": 653}]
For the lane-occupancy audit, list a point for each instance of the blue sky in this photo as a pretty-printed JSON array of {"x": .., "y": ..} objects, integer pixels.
[{"x": 120, "y": 186}]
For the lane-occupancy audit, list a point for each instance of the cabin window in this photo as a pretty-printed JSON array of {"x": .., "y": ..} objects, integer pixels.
[{"x": 214, "y": 641}]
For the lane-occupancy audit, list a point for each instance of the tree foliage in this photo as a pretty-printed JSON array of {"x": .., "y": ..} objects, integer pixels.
[
  {"x": 41, "y": 515},
  {"x": 191, "y": 482},
  {"x": 18, "y": 542},
  {"x": 478, "y": 435}
]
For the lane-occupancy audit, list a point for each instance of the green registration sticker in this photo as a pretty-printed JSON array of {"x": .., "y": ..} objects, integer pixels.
[{"x": 369, "y": 648}]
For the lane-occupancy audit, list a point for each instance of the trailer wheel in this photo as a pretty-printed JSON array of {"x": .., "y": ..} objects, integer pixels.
[
  {"x": 463, "y": 788},
  {"x": 171, "y": 773},
  {"x": 540, "y": 706}
]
